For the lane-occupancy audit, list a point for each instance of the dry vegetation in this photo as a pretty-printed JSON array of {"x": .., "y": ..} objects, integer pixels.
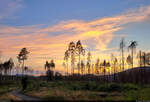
[{"x": 80, "y": 90}]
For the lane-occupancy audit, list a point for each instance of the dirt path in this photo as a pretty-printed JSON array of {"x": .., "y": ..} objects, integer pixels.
[{"x": 24, "y": 97}]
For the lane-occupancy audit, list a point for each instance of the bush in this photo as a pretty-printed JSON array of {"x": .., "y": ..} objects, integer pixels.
[
  {"x": 43, "y": 84},
  {"x": 109, "y": 87},
  {"x": 130, "y": 87},
  {"x": 114, "y": 87},
  {"x": 33, "y": 85}
]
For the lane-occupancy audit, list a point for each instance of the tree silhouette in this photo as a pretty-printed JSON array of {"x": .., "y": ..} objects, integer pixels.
[
  {"x": 71, "y": 51},
  {"x": 22, "y": 56},
  {"x": 8, "y": 65},
  {"x": 66, "y": 59},
  {"x": 11, "y": 65},
  {"x": 82, "y": 67},
  {"x": 97, "y": 66},
  {"x": 52, "y": 64},
  {"x": 108, "y": 66},
  {"x": 64, "y": 65},
  {"x": 122, "y": 45},
  {"x": 144, "y": 59},
  {"x": 79, "y": 51},
  {"x": 139, "y": 56},
  {"x": 132, "y": 47},
  {"x": 114, "y": 61},
  {"x": 89, "y": 62},
  {"x": 104, "y": 70},
  {"x": 147, "y": 58},
  {"x": 49, "y": 66},
  {"x": 129, "y": 60}
]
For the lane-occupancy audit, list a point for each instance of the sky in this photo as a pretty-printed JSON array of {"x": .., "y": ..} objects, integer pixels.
[{"x": 45, "y": 28}]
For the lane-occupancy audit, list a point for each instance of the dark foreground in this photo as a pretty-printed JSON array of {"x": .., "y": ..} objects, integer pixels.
[
  {"x": 77, "y": 91},
  {"x": 125, "y": 86}
]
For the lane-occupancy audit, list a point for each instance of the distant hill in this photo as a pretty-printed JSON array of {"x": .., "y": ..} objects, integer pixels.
[{"x": 136, "y": 75}]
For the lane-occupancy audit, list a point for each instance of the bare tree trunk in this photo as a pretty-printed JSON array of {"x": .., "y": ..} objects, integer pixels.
[
  {"x": 79, "y": 65},
  {"x": 122, "y": 59},
  {"x": 132, "y": 57},
  {"x": 23, "y": 68},
  {"x": 67, "y": 67},
  {"x": 72, "y": 63},
  {"x": 144, "y": 59},
  {"x": 140, "y": 60},
  {"x": 114, "y": 72},
  {"x": 104, "y": 75}
]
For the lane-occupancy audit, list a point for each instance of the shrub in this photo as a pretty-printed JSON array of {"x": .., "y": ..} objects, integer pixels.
[
  {"x": 130, "y": 87},
  {"x": 114, "y": 87}
]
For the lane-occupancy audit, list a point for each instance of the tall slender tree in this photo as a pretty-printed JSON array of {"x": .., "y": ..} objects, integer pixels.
[
  {"x": 114, "y": 62},
  {"x": 11, "y": 65},
  {"x": 129, "y": 60},
  {"x": 132, "y": 47},
  {"x": 79, "y": 51},
  {"x": 8, "y": 65},
  {"x": 22, "y": 56},
  {"x": 64, "y": 65},
  {"x": 104, "y": 70},
  {"x": 122, "y": 46},
  {"x": 97, "y": 65},
  {"x": 66, "y": 59},
  {"x": 71, "y": 51},
  {"x": 82, "y": 67},
  {"x": 89, "y": 62},
  {"x": 139, "y": 56},
  {"x": 144, "y": 58}
]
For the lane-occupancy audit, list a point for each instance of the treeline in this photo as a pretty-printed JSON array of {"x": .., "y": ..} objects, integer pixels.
[
  {"x": 78, "y": 61},
  {"x": 6, "y": 67}
]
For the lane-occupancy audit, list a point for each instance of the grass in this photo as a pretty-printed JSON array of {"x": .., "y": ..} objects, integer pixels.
[
  {"x": 6, "y": 87},
  {"x": 78, "y": 90},
  {"x": 87, "y": 90}
]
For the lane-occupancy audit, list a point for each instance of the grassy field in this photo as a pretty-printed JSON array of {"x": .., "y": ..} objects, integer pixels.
[
  {"x": 6, "y": 88},
  {"x": 77, "y": 90},
  {"x": 91, "y": 90}
]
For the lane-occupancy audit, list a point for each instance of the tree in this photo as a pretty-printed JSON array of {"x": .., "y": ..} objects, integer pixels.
[
  {"x": 82, "y": 66},
  {"x": 89, "y": 62},
  {"x": 147, "y": 58},
  {"x": 139, "y": 56},
  {"x": 132, "y": 47},
  {"x": 104, "y": 71},
  {"x": 114, "y": 61},
  {"x": 79, "y": 51},
  {"x": 52, "y": 64},
  {"x": 122, "y": 45},
  {"x": 49, "y": 67},
  {"x": 97, "y": 66},
  {"x": 129, "y": 60},
  {"x": 71, "y": 51},
  {"x": 64, "y": 65},
  {"x": 22, "y": 56},
  {"x": 144, "y": 58},
  {"x": 8, "y": 65},
  {"x": 66, "y": 57}
]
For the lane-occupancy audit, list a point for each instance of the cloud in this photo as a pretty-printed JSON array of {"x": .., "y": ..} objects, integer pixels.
[
  {"x": 42, "y": 42},
  {"x": 8, "y": 7}
]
